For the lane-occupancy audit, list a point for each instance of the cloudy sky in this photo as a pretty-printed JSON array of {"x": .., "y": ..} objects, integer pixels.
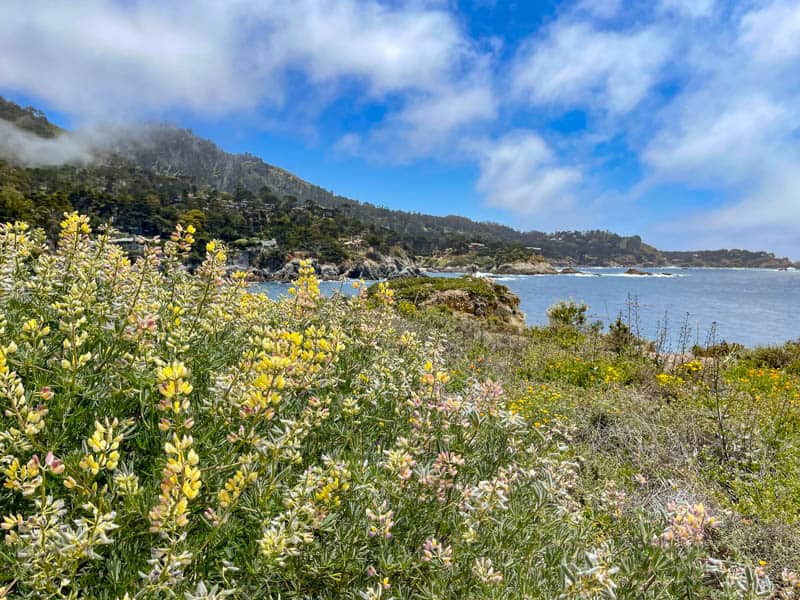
[{"x": 675, "y": 119}]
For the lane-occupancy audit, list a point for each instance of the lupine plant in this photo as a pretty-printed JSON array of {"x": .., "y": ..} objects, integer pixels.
[{"x": 168, "y": 433}]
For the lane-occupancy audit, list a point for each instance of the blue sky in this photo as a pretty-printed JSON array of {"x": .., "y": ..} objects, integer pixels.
[{"x": 674, "y": 119}]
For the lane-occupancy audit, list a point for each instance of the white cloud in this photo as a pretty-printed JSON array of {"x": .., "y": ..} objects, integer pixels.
[
  {"x": 31, "y": 150},
  {"x": 774, "y": 205},
  {"x": 706, "y": 98},
  {"x": 432, "y": 119},
  {"x": 732, "y": 130},
  {"x": 690, "y": 8},
  {"x": 520, "y": 173},
  {"x": 603, "y": 9},
  {"x": 98, "y": 58},
  {"x": 105, "y": 58},
  {"x": 719, "y": 141},
  {"x": 772, "y": 32},
  {"x": 764, "y": 219},
  {"x": 391, "y": 49},
  {"x": 349, "y": 143},
  {"x": 430, "y": 124},
  {"x": 576, "y": 64},
  {"x": 446, "y": 84},
  {"x": 286, "y": 59}
]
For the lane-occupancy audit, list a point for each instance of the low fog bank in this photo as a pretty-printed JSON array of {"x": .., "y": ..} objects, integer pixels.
[
  {"x": 80, "y": 147},
  {"x": 30, "y": 150}
]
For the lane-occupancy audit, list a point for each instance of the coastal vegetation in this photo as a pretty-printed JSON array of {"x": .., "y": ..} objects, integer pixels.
[{"x": 168, "y": 433}]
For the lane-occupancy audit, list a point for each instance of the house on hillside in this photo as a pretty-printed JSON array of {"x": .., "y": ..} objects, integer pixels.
[
  {"x": 354, "y": 243},
  {"x": 131, "y": 244}
]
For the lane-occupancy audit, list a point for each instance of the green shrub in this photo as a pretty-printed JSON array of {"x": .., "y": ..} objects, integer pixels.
[
  {"x": 721, "y": 350},
  {"x": 786, "y": 356},
  {"x": 567, "y": 314},
  {"x": 620, "y": 338}
]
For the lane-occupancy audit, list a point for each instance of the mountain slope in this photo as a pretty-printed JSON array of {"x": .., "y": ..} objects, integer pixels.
[
  {"x": 173, "y": 151},
  {"x": 28, "y": 119},
  {"x": 149, "y": 177}
]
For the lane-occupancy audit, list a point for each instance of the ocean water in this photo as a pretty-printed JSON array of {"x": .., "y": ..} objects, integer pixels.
[{"x": 749, "y": 306}]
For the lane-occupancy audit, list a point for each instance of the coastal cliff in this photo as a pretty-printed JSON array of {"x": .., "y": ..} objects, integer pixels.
[{"x": 371, "y": 265}]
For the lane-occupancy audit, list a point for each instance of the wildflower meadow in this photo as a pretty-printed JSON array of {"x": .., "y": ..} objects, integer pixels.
[{"x": 169, "y": 434}]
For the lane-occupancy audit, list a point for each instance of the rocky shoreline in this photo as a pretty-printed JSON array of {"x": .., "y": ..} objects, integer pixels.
[
  {"x": 391, "y": 267},
  {"x": 372, "y": 267},
  {"x": 376, "y": 266}
]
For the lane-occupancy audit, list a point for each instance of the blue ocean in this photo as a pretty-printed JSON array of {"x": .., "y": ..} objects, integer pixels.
[{"x": 749, "y": 306}]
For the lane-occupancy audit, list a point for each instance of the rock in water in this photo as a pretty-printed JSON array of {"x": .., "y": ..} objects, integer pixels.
[{"x": 526, "y": 268}]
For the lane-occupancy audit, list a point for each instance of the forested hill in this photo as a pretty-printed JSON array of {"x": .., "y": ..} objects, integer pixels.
[
  {"x": 146, "y": 178},
  {"x": 170, "y": 150},
  {"x": 28, "y": 119}
]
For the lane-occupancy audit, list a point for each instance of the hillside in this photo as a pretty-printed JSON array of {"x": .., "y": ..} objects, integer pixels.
[
  {"x": 170, "y": 150},
  {"x": 146, "y": 179},
  {"x": 173, "y": 151},
  {"x": 28, "y": 119},
  {"x": 723, "y": 258}
]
